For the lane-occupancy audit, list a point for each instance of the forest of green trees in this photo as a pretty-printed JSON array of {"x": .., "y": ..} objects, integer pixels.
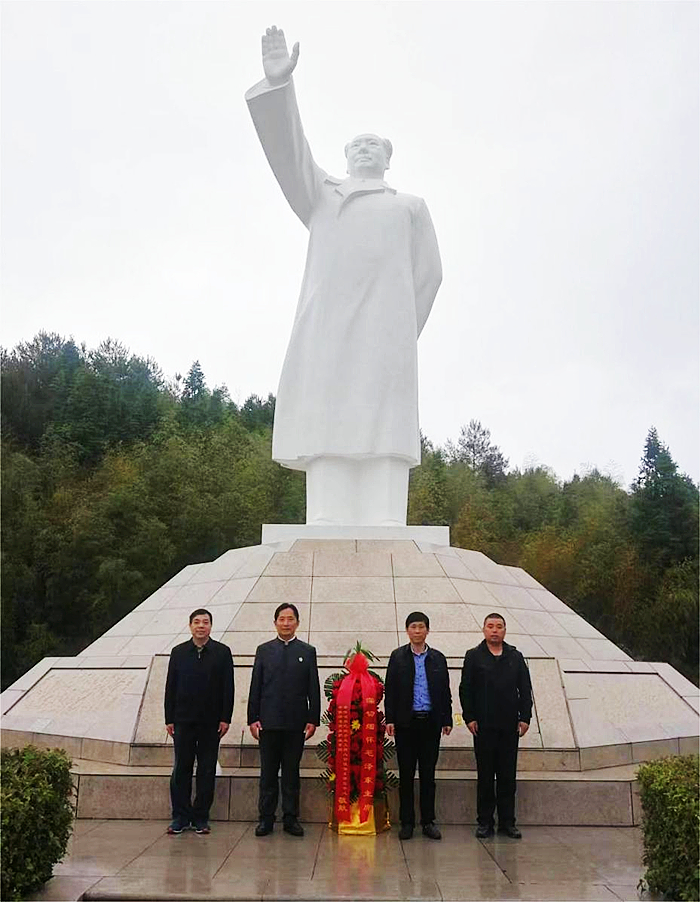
[{"x": 113, "y": 479}]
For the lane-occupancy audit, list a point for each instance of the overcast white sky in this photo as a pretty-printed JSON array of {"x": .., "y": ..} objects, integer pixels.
[{"x": 556, "y": 145}]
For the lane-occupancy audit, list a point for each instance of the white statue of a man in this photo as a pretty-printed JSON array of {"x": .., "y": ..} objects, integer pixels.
[{"x": 347, "y": 404}]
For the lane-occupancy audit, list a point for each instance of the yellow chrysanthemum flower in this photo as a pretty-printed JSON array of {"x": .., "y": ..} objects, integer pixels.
[{"x": 355, "y": 725}]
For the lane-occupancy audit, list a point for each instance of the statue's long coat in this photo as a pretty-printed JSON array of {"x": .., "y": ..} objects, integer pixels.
[{"x": 349, "y": 384}]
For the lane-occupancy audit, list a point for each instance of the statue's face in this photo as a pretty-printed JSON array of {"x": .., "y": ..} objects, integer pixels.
[{"x": 367, "y": 157}]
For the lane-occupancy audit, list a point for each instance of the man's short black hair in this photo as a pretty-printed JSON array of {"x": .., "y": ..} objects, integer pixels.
[
  {"x": 287, "y": 604},
  {"x": 201, "y": 611},
  {"x": 417, "y": 617},
  {"x": 495, "y": 614}
]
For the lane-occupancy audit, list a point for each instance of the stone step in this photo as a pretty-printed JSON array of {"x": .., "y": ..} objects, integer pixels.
[
  {"x": 458, "y": 755},
  {"x": 455, "y": 758},
  {"x": 603, "y": 797}
]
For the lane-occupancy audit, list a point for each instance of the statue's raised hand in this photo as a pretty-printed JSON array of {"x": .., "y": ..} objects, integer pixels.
[{"x": 277, "y": 62}]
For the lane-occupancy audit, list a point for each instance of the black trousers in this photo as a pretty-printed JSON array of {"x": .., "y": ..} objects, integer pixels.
[
  {"x": 280, "y": 749},
  {"x": 200, "y": 741},
  {"x": 496, "y": 759},
  {"x": 419, "y": 743}
]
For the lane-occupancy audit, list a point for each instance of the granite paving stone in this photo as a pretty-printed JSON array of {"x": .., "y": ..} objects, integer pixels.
[
  {"x": 195, "y": 595},
  {"x": 273, "y": 590},
  {"x": 453, "y": 566},
  {"x": 515, "y": 597},
  {"x": 484, "y": 568},
  {"x": 357, "y": 589},
  {"x": 549, "y": 602},
  {"x": 395, "y": 546},
  {"x": 353, "y": 887},
  {"x": 346, "y": 545},
  {"x": 136, "y": 860},
  {"x": 290, "y": 563},
  {"x": 529, "y": 646},
  {"x": 188, "y": 885},
  {"x": 149, "y": 645},
  {"x": 603, "y": 650},
  {"x": 421, "y": 590},
  {"x": 107, "y": 645},
  {"x": 577, "y": 627},
  {"x": 522, "y": 577},
  {"x": 562, "y": 647},
  {"x": 64, "y": 888},
  {"x": 176, "y": 865},
  {"x": 9, "y": 697},
  {"x": 156, "y": 601},
  {"x": 341, "y": 563},
  {"x": 129, "y": 625},
  {"x": 255, "y": 563},
  {"x": 226, "y": 565},
  {"x": 364, "y": 619},
  {"x": 538, "y": 623},
  {"x": 182, "y": 576},
  {"x": 417, "y": 564}
]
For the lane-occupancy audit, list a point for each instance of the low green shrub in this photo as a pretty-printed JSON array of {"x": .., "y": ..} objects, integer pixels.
[
  {"x": 37, "y": 816},
  {"x": 670, "y": 789}
]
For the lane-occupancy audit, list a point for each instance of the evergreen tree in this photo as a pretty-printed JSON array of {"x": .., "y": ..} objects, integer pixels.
[
  {"x": 427, "y": 490},
  {"x": 474, "y": 449},
  {"x": 195, "y": 399},
  {"x": 258, "y": 414},
  {"x": 664, "y": 508},
  {"x": 36, "y": 379},
  {"x": 195, "y": 387}
]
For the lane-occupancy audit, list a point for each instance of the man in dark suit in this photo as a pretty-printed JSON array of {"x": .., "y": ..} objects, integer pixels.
[
  {"x": 496, "y": 697},
  {"x": 418, "y": 708},
  {"x": 198, "y": 708},
  {"x": 284, "y": 709}
]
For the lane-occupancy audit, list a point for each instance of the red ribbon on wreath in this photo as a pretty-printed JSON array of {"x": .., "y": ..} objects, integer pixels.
[{"x": 358, "y": 668}]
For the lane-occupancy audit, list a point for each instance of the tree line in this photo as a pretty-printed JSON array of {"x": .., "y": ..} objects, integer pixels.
[{"x": 114, "y": 478}]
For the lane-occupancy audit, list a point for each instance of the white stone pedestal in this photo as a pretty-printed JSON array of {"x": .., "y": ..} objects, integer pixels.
[{"x": 281, "y": 532}]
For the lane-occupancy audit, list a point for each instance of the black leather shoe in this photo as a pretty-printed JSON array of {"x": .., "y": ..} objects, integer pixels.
[
  {"x": 406, "y": 831},
  {"x": 264, "y": 827},
  {"x": 293, "y": 827},
  {"x": 431, "y": 831},
  {"x": 482, "y": 831},
  {"x": 511, "y": 831}
]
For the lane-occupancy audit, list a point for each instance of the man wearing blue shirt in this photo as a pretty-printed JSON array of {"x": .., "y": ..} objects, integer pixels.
[{"x": 418, "y": 707}]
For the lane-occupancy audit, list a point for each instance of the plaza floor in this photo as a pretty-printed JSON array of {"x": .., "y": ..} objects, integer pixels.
[{"x": 137, "y": 860}]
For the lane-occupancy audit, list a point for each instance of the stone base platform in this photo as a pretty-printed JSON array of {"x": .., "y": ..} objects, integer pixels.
[
  {"x": 597, "y": 713},
  {"x": 603, "y": 797},
  {"x": 285, "y": 532},
  {"x": 457, "y": 756}
]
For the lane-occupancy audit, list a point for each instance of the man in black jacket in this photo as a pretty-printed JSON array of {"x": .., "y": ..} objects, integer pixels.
[
  {"x": 284, "y": 709},
  {"x": 198, "y": 709},
  {"x": 418, "y": 709},
  {"x": 496, "y": 697}
]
